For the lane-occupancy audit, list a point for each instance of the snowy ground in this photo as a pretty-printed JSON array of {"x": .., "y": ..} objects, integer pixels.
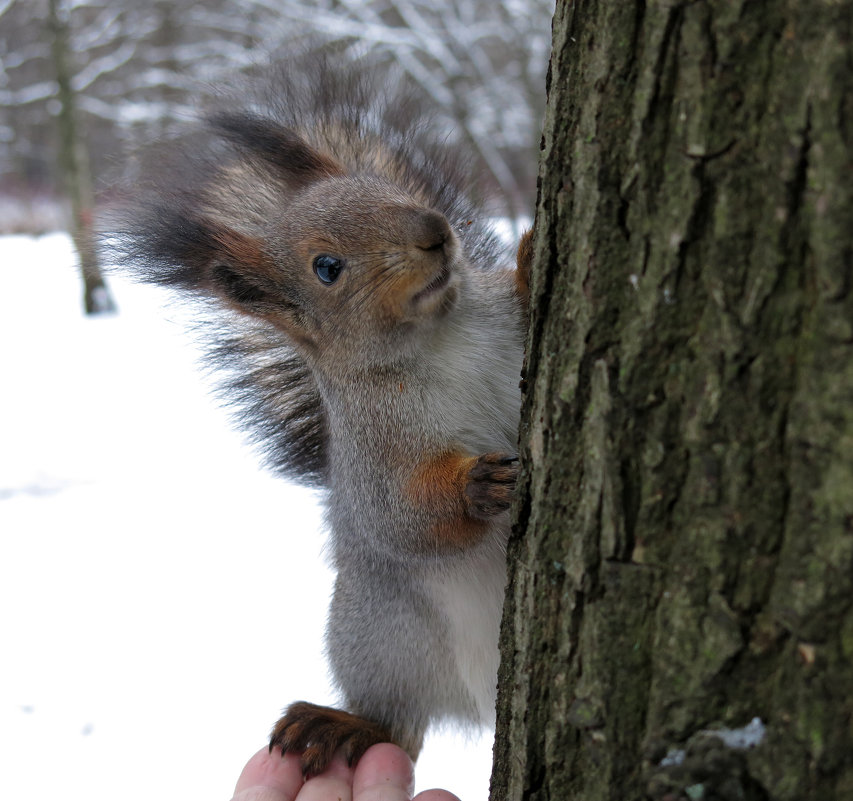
[{"x": 161, "y": 597}]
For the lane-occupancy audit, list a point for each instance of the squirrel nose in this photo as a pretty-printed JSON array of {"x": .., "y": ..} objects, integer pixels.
[{"x": 429, "y": 230}]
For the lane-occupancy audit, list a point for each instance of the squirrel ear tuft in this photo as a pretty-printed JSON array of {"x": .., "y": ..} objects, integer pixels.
[
  {"x": 242, "y": 274},
  {"x": 249, "y": 281},
  {"x": 238, "y": 288},
  {"x": 294, "y": 159}
]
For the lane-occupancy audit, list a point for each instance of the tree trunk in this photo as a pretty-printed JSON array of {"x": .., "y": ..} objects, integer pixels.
[
  {"x": 679, "y": 622},
  {"x": 75, "y": 170}
]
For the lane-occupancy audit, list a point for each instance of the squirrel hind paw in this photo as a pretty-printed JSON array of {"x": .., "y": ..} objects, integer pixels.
[{"x": 318, "y": 732}]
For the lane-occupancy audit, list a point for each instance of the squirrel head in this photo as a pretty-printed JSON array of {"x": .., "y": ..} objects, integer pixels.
[{"x": 347, "y": 263}]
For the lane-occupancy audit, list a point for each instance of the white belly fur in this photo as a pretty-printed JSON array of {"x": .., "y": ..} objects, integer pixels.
[{"x": 471, "y": 596}]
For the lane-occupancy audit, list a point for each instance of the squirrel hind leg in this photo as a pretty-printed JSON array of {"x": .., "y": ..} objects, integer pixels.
[{"x": 318, "y": 732}]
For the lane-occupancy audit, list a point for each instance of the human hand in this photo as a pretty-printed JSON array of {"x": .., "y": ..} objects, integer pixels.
[{"x": 384, "y": 773}]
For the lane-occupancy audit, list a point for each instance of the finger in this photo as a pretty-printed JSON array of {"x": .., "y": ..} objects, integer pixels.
[
  {"x": 436, "y": 795},
  {"x": 335, "y": 782},
  {"x": 269, "y": 777},
  {"x": 384, "y": 773}
]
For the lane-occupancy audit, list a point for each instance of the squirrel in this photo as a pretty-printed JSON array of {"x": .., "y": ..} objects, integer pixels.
[{"x": 374, "y": 339}]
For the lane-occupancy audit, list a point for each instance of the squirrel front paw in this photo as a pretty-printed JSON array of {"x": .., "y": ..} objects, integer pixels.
[
  {"x": 491, "y": 484},
  {"x": 319, "y": 731}
]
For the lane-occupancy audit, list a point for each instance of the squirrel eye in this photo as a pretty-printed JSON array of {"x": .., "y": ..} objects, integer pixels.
[{"x": 328, "y": 268}]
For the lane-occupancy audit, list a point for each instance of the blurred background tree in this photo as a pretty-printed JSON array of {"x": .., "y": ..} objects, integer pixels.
[
  {"x": 74, "y": 165},
  {"x": 138, "y": 68}
]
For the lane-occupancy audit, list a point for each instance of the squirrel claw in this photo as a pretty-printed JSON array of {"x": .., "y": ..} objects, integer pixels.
[{"x": 319, "y": 731}]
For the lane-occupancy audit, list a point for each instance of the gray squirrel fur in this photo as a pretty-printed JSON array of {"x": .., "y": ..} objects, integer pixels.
[{"x": 394, "y": 387}]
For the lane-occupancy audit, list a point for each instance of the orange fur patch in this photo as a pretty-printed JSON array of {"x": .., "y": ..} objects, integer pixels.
[
  {"x": 438, "y": 486},
  {"x": 524, "y": 261}
]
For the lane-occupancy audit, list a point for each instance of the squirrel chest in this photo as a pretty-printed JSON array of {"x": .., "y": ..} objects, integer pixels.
[{"x": 389, "y": 492}]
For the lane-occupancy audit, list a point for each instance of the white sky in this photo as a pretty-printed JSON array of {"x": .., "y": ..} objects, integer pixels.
[{"x": 161, "y": 597}]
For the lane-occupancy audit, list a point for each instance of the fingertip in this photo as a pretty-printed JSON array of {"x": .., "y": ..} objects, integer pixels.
[
  {"x": 435, "y": 795},
  {"x": 335, "y": 782},
  {"x": 280, "y": 776},
  {"x": 338, "y": 768},
  {"x": 382, "y": 765}
]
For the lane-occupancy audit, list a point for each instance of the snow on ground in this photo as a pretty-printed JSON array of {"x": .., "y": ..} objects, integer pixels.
[{"x": 161, "y": 597}]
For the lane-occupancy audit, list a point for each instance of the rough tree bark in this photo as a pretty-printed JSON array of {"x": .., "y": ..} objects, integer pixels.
[
  {"x": 74, "y": 163},
  {"x": 682, "y": 562}
]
